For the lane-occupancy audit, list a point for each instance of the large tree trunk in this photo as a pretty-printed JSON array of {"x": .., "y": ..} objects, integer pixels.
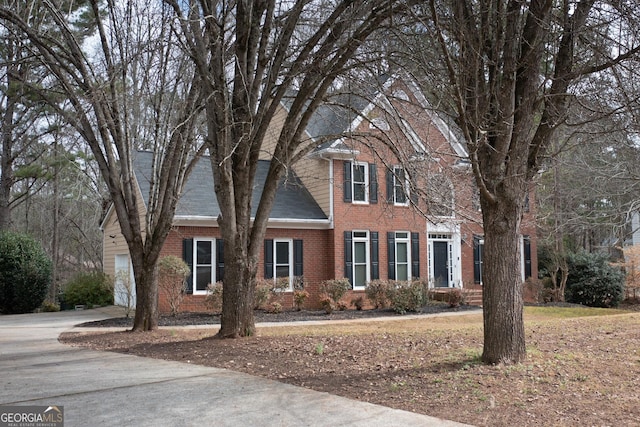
[
  {"x": 146, "y": 275},
  {"x": 504, "y": 339},
  {"x": 238, "y": 292},
  {"x": 5, "y": 194},
  {"x": 6, "y": 164}
]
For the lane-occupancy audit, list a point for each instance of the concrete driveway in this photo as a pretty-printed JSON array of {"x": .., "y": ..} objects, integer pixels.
[{"x": 109, "y": 389}]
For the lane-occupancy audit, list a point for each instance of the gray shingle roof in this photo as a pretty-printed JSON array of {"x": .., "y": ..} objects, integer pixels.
[{"x": 293, "y": 200}]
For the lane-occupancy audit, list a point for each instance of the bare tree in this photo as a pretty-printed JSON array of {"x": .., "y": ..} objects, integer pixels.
[
  {"x": 252, "y": 57},
  {"x": 511, "y": 70},
  {"x": 20, "y": 114},
  {"x": 588, "y": 191},
  {"x": 132, "y": 89}
]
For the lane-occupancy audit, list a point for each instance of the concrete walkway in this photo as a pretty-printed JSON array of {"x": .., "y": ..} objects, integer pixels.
[{"x": 109, "y": 389}]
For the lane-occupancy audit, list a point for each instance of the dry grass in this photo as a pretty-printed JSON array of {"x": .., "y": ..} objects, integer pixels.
[{"x": 582, "y": 367}]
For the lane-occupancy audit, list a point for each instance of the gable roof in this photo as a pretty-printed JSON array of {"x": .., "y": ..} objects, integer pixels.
[
  {"x": 293, "y": 201},
  {"x": 348, "y": 111}
]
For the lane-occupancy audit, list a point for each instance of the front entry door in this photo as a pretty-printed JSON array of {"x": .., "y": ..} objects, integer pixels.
[{"x": 441, "y": 264}]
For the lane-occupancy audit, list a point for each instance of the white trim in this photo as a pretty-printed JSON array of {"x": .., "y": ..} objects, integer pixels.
[
  {"x": 275, "y": 264},
  {"x": 521, "y": 251},
  {"x": 103, "y": 224},
  {"x": 335, "y": 153},
  {"x": 371, "y": 105},
  {"x": 367, "y": 241},
  {"x": 331, "y": 193},
  {"x": 123, "y": 296},
  {"x": 298, "y": 224},
  {"x": 213, "y": 263},
  {"x": 444, "y": 129},
  {"x": 451, "y": 234},
  {"x": 406, "y": 186},
  {"x": 481, "y": 260},
  {"x": 366, "y": 183},
  {"x": 407, "y": 241}
]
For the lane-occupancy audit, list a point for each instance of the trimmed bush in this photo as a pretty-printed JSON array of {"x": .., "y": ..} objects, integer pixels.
[
  {"x": 25, "y": 273},
  {"x": 299, "y": 297},
  {"x": 172, "y": 273},
  {"x": 378, "y": 293},
  {"x": 593, "y": 281},
  {"x": 92, "y": 289},
  {"x": 406, "y": 296},
  {"x": 336, "y": 289},
  {"x": 213, "y": 300},
  {"x": 262, "y": 293}
]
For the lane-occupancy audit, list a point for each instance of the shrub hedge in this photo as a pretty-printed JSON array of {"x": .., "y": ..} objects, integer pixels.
[
  {"x": 593, "y": 281},
  {"x": 25, "y": 273}
]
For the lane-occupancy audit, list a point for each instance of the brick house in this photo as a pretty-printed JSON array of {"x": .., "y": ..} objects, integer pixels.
[{"x": 348, "y": 208}]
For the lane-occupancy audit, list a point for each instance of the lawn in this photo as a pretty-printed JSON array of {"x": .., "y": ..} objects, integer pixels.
[{"x": 582, "y": 368}]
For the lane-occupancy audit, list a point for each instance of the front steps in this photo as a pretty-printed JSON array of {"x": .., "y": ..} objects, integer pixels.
[{"x": 470, "y": 296}]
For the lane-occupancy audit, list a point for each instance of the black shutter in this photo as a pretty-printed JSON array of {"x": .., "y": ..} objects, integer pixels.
[
  {"x": 347, "y": 182},
  {"x": 187, "y": 256},
  {"x": 477, "y": 260},
  {"x": 391, "y": 255},
  {"x": 219, "y": 260},
  {"x": 375, "y": 264},
  {"x": 297, "y": 258},
  {"x": 268, "y": 258},
  {"x": 373, "y": 183},
  {"x": 415, "y": 255},
  {"x": 348, "y": 256},
  {"x": 526, "y": 240},
  {"x": 390, "y": 189}
]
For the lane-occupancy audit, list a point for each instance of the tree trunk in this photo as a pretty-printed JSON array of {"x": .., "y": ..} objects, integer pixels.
[
  {"x": 55, "y": 238},
  {"x": 6, "y": 164},
  {"x": 5, "y": 195},
  {"x": 504, "y": 339},
  {"x": 146, "y": 275},
  {"x": 237, "y": 297}
]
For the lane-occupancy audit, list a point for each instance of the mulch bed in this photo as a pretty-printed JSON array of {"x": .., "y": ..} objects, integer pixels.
[{"x": 261, "y": 316}]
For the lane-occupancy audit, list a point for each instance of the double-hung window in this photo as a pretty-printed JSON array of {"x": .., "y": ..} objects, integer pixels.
[
  {"x": 400, "y": 187},
  {"x": 397, "y": 186},
  {"x": 360, "y": 183},
  {"x": 478, "y": 253},
  {"x": 283, "y": 259},
  {"x": 403, "y": 255},
  {"x": 203, "y": 265},
  {"x": 361, "y": 257},
  {"x": 205, "y": 258}
]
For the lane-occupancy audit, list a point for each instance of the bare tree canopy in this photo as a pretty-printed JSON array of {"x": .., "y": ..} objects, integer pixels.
[
  {"x": 252, "y": 58},
  {"x": 130, "y": 89},
  {"x": 508, "y": 71}
]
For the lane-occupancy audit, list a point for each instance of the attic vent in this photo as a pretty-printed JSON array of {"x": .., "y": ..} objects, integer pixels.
[
  {"x": 379, "y": 123},
  {"x": 400, "y": 94}
]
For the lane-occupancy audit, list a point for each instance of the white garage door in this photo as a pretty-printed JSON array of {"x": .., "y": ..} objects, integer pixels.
[{"x": 124, "y": 291}]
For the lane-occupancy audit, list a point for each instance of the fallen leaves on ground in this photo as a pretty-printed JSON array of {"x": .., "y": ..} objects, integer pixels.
[{"x": 578, "y": 372}]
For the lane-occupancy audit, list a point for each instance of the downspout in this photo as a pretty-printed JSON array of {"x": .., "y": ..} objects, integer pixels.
[{"x": 331, "y": 190}]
